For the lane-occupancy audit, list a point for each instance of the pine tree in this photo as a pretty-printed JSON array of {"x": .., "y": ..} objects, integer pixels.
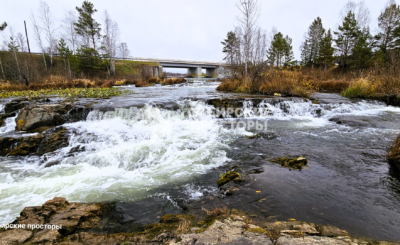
[
  {"x": 277, "y": 49},
  {"x": 310, "y": 47},
  {"x": 86, "y": 26},
  {"x": 305, "y": 54},
  {"x": 362, "y": 51},
  {"x": 326, "y": 50},
  {"x": 388, "y": 21},
  {"x": 229, "y": 46},
  {"x": 347, "y": 36},
  {"x": 288, "y": 53},
  {"x": 3, "y": 26}
]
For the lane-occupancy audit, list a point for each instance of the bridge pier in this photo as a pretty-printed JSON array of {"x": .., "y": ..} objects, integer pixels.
[
  {"x": 194, "y": 72},
  {"x": 212, "y": 72}
]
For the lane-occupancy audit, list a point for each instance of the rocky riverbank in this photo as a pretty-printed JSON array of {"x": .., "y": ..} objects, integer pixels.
[{"x": 100, "y": 223}]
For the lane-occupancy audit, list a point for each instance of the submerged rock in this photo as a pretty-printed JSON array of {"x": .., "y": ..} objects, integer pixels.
[
  {"x": 227, "y": 177},
  {"x": 41, "y": 116},
  {"x": 292, "y": 163}
]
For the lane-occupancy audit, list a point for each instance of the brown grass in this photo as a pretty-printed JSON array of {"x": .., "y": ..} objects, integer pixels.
[
  {"x": 218, "y": 212},
  {"x": 170, "y": 81}
]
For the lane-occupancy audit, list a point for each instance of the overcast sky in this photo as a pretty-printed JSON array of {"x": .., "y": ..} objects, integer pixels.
[{"x": 188, "y": 29}]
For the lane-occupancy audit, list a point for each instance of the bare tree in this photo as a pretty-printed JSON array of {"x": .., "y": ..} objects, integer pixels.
[
  {"x": 47, "y": 21},
  {"x": 69, "y": 33},
  {"x": 361, "y": 11},
  {"x": 250, "y": 11},
  {"x": 110, "y": 39},
  {"x": 38, "y": 37},
  {"x": 123, "y": 50},
  {"x": 21, "y": 42}
]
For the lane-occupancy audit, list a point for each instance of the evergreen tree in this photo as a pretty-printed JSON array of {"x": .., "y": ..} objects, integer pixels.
[
  {"x": 277, "y": 50},
  {"x": 63, "y": 49},
  {"x": 388, "y": 21},
  {"x": 3, "y": 26},
  {"x": 305, "y": 53},
  {"x": 288, "y": 53},
  {"x": 86, "y": 26},
  {"x": 347, "y": 36},
  {"x": 326, "y": 50},
  {"x": 12, "y": 45},
  {"x": 362, "y": 51},
  {"x": 310, "y": 47},
  {"x": 229, "y": 46}
]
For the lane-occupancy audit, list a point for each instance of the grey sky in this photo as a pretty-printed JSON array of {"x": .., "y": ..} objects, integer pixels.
[{"x": 189, "y": 29}]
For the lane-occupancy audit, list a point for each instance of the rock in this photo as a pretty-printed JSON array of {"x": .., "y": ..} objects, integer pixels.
[
  {"x": 15, "y": 236},
  {"x": 309, "y": 240},
  {"x": 227, "y": 177},
  {"x": 84, "y": 238},
  {"x": 46, "y": 236},
  {"x": 45, "y": 115},
  {"x": 20, "y": 147},
  {"x": 15, "y": 105},
  {"x": 226, "y": 232},
  {"x": 52, "y": 163},
  {"x": 55, "y": 138},
  {"x": 292, "y": 163},
  {"x": 331, "y": 231},
  {"x": 394, "y": 155}
]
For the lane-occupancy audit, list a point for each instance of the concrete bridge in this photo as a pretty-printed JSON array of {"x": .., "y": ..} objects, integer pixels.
[{"x": 194, "y": 67}]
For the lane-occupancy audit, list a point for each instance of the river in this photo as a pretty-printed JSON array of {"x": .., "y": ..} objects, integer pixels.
[{"x": 162, "y": 148}]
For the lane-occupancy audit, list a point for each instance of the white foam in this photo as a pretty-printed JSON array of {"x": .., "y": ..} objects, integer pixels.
[
  {"x": 9, "y": 125},
  {"x": 128, "y": 154}
]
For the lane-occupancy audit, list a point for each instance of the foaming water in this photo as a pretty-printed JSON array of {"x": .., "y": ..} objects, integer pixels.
[
  {"x": 310, "y": 114},
  {"x": 123, "y": 155},
  {"x": 8, "y": 126}
]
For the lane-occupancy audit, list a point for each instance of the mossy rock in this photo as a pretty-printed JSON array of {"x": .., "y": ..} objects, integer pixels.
[
  {"x": 292, "y": 163},
  {"x": 316, "y": 102},
  {"x": 254, "y": 136},
  {"x": 28, "y": 145},
  {"x": 228, "y": 176},
  {"x": 175, "y": 218}
]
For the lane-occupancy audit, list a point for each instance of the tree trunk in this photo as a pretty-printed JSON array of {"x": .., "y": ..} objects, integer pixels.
[
  {"x": 16, "y": 60},
  {"x": 2, "y": 71},
  {"x": 44, "y": 59}
]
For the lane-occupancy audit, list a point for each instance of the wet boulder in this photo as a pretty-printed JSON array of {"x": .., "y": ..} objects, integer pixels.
[
  {"x": 55, "y": 138},
  {"x": 394, "y": 155},
  {"x": 41, "y": 116},
  {"x": 20, "y": 146},
  {"x": 227, "y": 177},
  {"x": 15, "y": 105},
  {"x": 291, "y": 163}
]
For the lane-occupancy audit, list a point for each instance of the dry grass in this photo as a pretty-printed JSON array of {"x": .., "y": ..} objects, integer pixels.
[
  {"x": 218, "y": 212},
  {"x": 283, "y": 81},
  {"x": 170, "y": 81}
]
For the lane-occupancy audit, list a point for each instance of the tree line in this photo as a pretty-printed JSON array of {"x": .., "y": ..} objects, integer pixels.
[
  {"x": 81, "y": 44},
  {"x": 351, "y": 45}
]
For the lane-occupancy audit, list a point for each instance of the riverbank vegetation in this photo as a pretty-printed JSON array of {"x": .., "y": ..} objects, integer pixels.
[
  {"x": 83, "y": 53},
  {"x": 348, "y": 59}
]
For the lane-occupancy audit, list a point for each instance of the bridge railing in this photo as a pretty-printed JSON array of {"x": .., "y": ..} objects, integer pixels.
[{"x": 158, "y": 60}]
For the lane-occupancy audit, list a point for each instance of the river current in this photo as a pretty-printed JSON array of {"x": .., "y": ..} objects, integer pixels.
[{"x": 140, "y": 153}]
